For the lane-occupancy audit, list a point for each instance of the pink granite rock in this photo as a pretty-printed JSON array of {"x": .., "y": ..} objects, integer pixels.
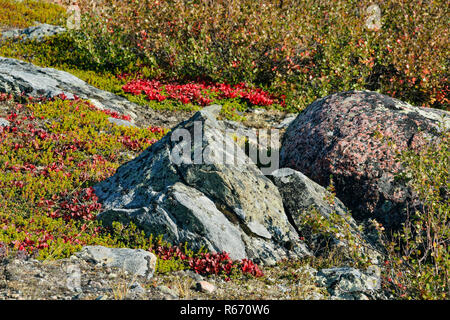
[{"x": 340, "y": 134}]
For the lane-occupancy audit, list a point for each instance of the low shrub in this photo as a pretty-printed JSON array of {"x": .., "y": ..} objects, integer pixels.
[
  {"x": 61, "y": 52},
  {"x": 305, "y": 50},
  {"x": 23, "y": 14},
  {"x": 51, "y": 154},
  {"x": 419, "y": 261}
]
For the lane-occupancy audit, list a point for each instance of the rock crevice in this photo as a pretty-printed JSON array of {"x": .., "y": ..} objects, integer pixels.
[{"x": 200, "y": 203}]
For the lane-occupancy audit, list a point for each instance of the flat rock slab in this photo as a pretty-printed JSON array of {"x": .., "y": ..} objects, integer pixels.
[
  {"x": 18, "y": 77},
  {"x": 134, "y": 261},
  {"x": 205, "y": 286},
  {"x": 38, "y": 32}
]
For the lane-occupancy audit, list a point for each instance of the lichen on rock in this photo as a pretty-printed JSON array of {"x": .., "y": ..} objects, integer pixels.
[
  {"x": 219, "y": 204},
  {"x": 347, "y": 135}
]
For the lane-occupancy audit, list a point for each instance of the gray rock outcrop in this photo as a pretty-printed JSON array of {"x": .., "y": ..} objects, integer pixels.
[
  {"x": 134, "y": 261},
  {"x": 351, "y": 284},
  {"x": 224, "y": 206},
  {"x": 18, "y": 77},
  {"x": 300, "y": 195}
]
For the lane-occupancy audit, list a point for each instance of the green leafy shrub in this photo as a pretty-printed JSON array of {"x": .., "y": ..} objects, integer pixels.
[
  {"x": 304, "y": 49},
  {"x": 321, "y": 232},
  {"x": 62, "y": 53},
  {"x": 50, "y": 155}
]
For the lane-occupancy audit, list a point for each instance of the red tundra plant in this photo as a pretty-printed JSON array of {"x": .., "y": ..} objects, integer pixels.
[
  {"x": 208, "y": 263},
  {"x": 110, "y": 113},
  {"x": 5, "y": 96},
  {"x": 200, "y": 92},
  {"x": 81, "y": 204}
]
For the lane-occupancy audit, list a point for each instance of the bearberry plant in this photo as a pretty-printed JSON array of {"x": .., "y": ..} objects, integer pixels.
[{"x": 51, "y": 154}]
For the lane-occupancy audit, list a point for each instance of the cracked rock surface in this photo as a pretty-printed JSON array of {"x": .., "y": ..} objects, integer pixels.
[
  {"x": 210, "y": 199},
  {"x": 343, "y": 135},
  {"x": 38, "y": 32}
]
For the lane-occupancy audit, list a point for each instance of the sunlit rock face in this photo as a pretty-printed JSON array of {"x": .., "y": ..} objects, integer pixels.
[{"x": 345, "y": 135}]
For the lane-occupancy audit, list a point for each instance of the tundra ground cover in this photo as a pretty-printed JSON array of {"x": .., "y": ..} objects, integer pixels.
[
  {"x": 306, "y": 49},
  {"x": 51, "y": 154},
  {"x": 315, "y": 50},
  {"x": 407, "y": 59},
  {"x": 23, "y": 14}
]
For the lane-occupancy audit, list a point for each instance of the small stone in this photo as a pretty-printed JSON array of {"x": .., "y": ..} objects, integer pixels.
[
  {"x": 4, "y": 122},
  {"x": 363, "y": 297},
  {"x": 286, "y": 122},
  {"x": 135, "y": 291},
  {"x": 194, "y": 275},
  {"x": 78, "y": 296},
  {"x": 206, "y": 287},
  {"x": 282, "y": 288},
  {"x": 169, "y": 294}
]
